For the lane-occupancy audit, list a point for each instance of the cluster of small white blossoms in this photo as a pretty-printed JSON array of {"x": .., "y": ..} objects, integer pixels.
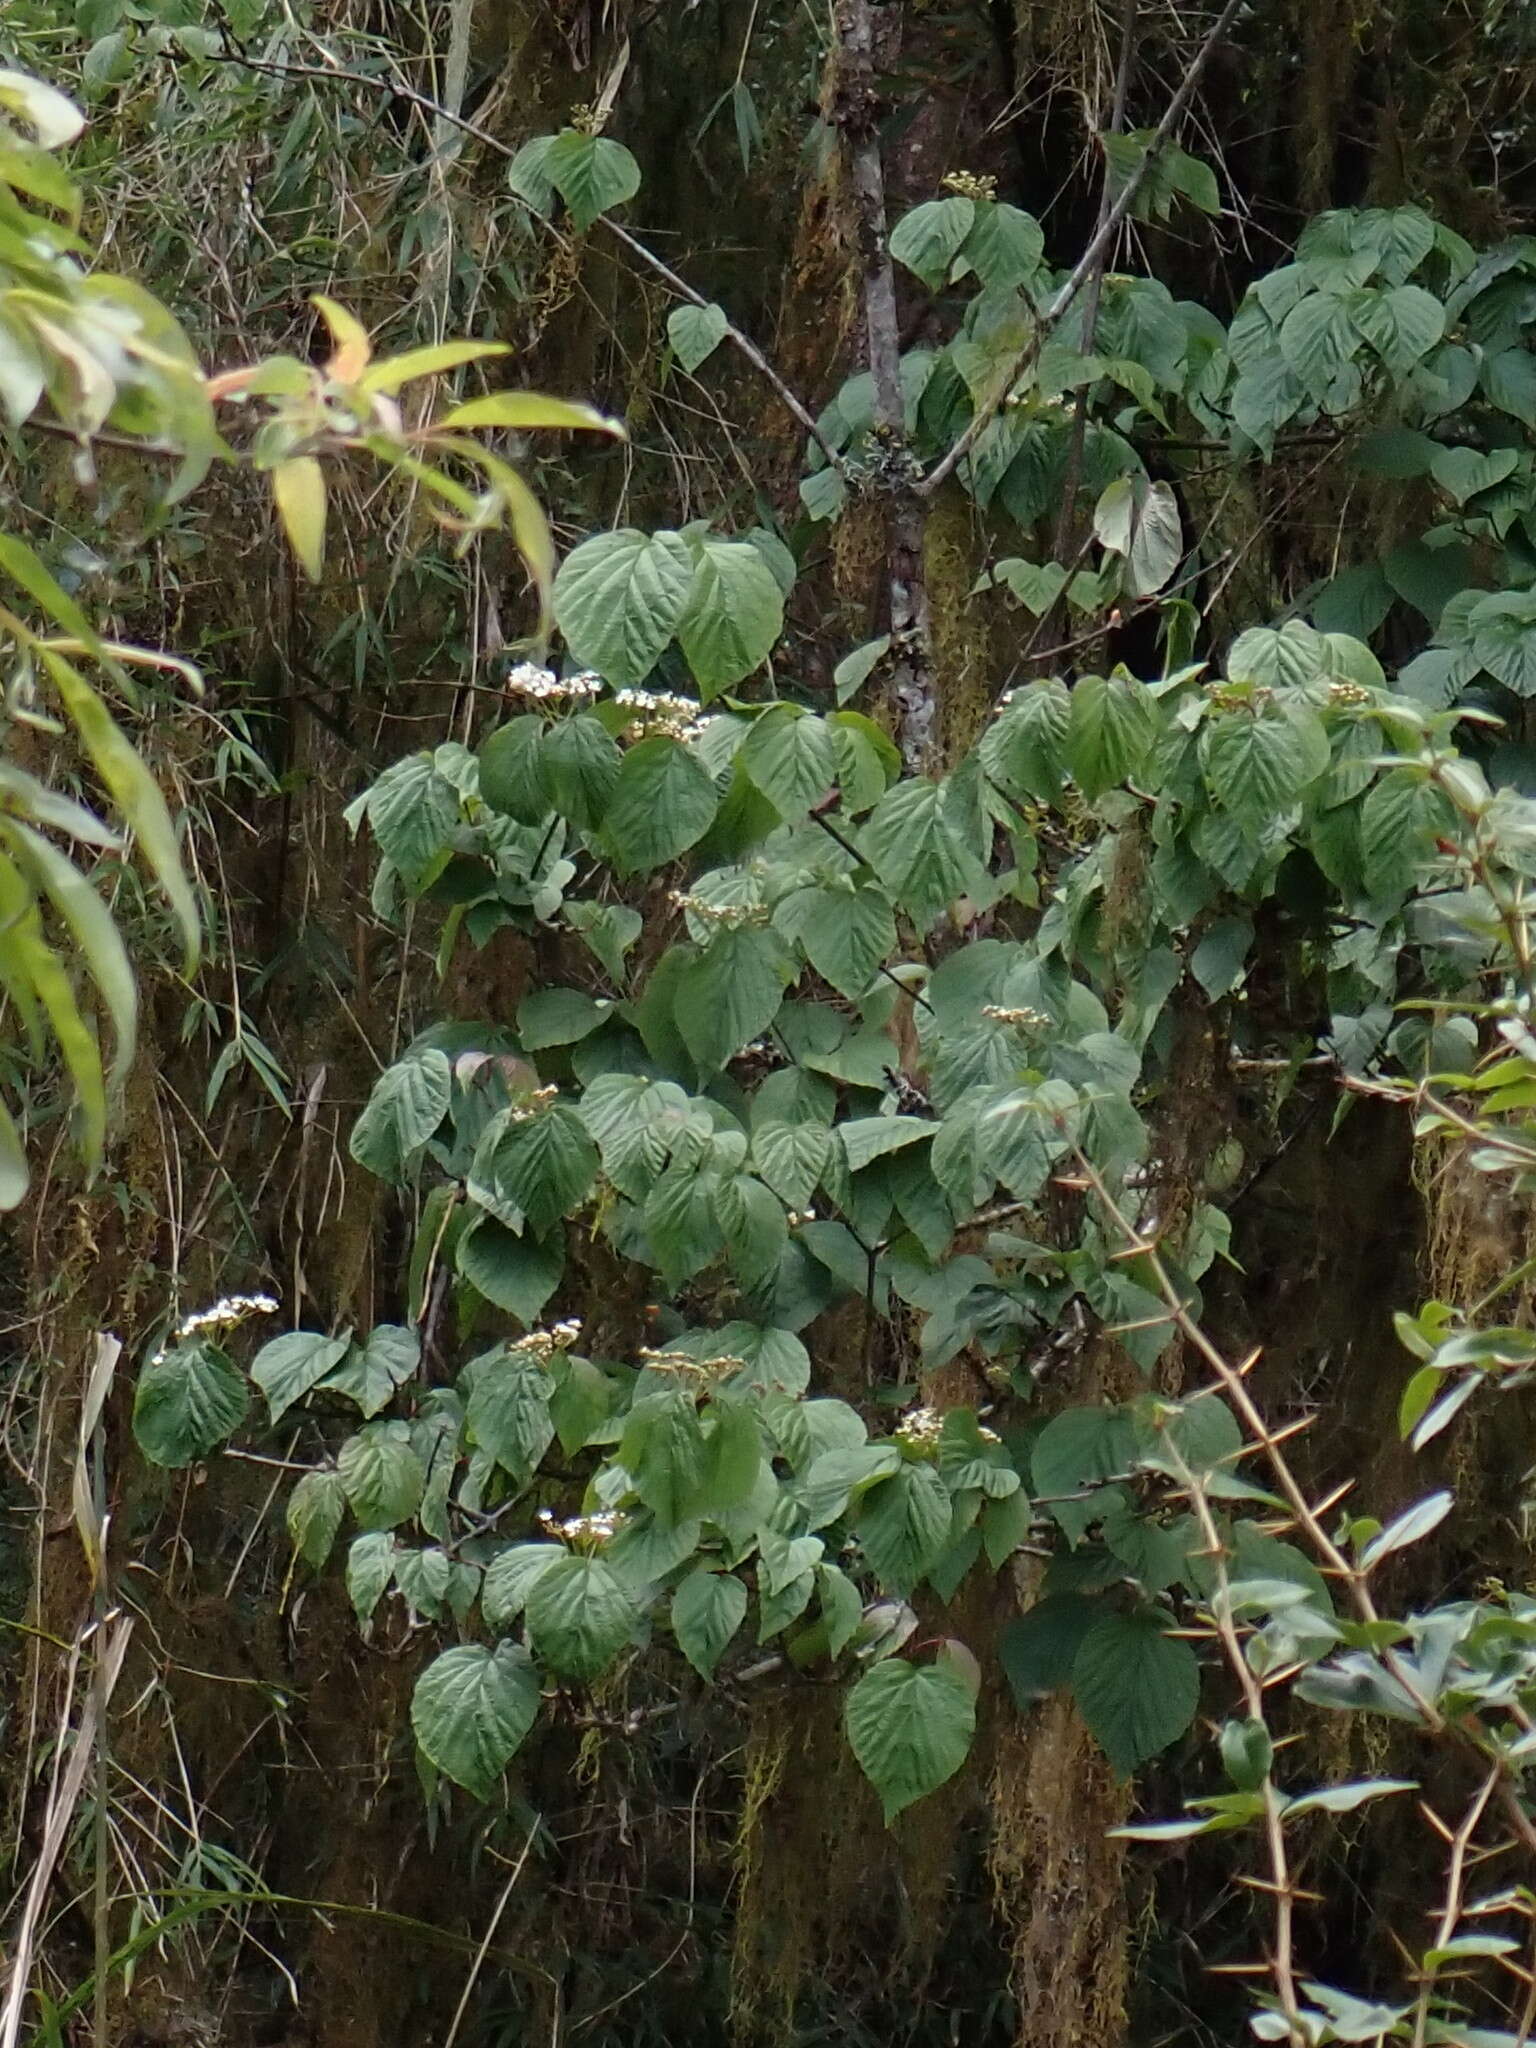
[
  {"x": 222, "y": 1315},
  {"x": 532, "y": 1105},
  {"x": 920, "y": 1429},
  {"x": 659, "y": 711},
  {"x": 1027, "y": 394},
  {"x": 685, "y": 1366},
  {"x": 586, "y": 1532},
  {"x": 1022, "y": 1019},
  {"x": 545, "y": 687},
  {"x": 542, "y": 1345},
  {"x": 733, "y": 916}
]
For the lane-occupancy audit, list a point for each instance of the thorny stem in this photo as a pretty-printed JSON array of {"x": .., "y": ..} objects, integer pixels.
[
  {"x": 1465, "y": 1731},
  {"x": 1455, "y": 1878},
  {"x": 1282, "y": 1963},
  {"x": 1500, "y": 1777}
]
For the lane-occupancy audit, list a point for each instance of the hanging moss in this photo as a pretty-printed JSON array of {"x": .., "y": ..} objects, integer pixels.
[
  {"x": 1059, "y": 1879},
  {"x": 964, "y": 670}
]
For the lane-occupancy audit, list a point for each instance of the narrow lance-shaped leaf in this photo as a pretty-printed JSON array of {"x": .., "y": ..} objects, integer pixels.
[
  {"x": 33, "y": 960},
  {"x": 14, "y": 1176},
  {"x": 133, "y": 789},
  {"x": 526, "y": 410},
  {"x": 298, "y": 491},
  {"x": 90, "y": 924},
  {"x": 388, "y": 376}
]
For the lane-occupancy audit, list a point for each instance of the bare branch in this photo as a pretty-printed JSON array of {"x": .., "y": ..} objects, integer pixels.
[
  {"x": 1105, "y": 233},
  {"x": 446, "y": 117}
]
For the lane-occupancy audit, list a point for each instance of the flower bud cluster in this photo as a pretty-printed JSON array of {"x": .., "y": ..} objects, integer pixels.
[
  {"x": 544, "y": 1344},
  {"x": 733, "y": 916},
  {"x": 706, "y": 1370},
  {"x": 967, "y": 185},
  {"x": 920, "y": 1429},
  {"x": 1226, "y": 698},
  {"x": 1348, "y": 693},
  {"x": 1022, "y": 1019},
  {"x": 543, "y": 686}
]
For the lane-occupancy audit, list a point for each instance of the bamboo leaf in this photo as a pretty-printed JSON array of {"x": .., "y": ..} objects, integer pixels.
[
  {"x": 133, "y": 789},
  {"x": 298, "y": 491},
  {"x": 387, "y": 377},
  {"x": 528, "y": 409},
  {"x": 351, "y": 351},
  {"x": 90, "y": 924}
]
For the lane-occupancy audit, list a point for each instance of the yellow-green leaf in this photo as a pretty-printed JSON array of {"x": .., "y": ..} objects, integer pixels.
[
  {"x": 90, "y": 923},
  {"x": 394, "y": 371},
  {"x": 53, "y": 119},
  {"x": 298, "y": 490},
  {"x": 530, "y": 530},
  {"x": 21, "y": 934},
  {"x": 22, "y": 565},
  {"x": 530, "y": 409},
  {"x": 352, "y": 351},
  {"x": 133, "y": 789},
  {"x": 13, "y": 1162}
]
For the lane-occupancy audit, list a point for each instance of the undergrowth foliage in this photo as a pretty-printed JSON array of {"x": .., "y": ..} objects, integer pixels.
[
  {"x": 840, "y": 1122},
  {"x": 86, "y": 353},
  {"x": 832, "y": 1042}
]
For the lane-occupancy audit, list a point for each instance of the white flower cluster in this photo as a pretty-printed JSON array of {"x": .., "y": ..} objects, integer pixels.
[
  {"x": 533, "y": 1105},
  {"x": 659, "y": 711},
  {"x": 1021, "y": 1019},
  {"x": 543, "y": 1344},
  {"x": 796, "y": 1217},
  {"x": 921, "y": 1428},
  {"x": 585, "y": 1532},
  {"x": 222, "y": 1315},
  {"x": 1026, "y": 394},
  {"x": 731, "y": 915},
  {"x": 545, "y": 687}
]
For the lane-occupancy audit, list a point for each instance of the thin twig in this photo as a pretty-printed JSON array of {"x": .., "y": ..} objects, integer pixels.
[
  {"x": 1464, "y": 1732},
  {"x": 856, "y": 111},
  {"x": 111, "y": 1644},
  {"x": 490, "y": 1935},
  {"x": 446, "y": 116},
  {"x": 1094, "y": 289},
  {"x": 1107, "y": 229}
]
